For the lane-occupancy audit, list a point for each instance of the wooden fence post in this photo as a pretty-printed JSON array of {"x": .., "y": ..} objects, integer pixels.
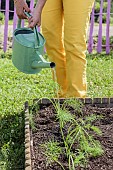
[
  {"x": 14, "y": 19},
  {"x": 99, "y": 44},
  {"x": 90, "y": 42},
  {"x": 0, "y": 4},
  {"x": 6, "y": 25},
  {"x": 108, "y": 27}
]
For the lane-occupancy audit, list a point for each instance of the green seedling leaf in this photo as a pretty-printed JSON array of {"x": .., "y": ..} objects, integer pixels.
[
  {"x": 91, "y": 118},
  {"x": 95, "y": 150},
  {"x": 75, "y": 104},
  {"x": 87, "y": 126},
  {"x": 64, "y": 116},
  {"x": 52, "y": 151},
  {"x": 32, "y": 123},
  {"x": 80, "y": 159},
  {"x": 96, "y": 130}
]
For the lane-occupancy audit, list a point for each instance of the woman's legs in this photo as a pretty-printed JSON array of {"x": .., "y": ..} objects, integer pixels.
[
  {"x": 52, "y": 28},
  {"x": 71, "y": 62},
  {"x": 76, "y": 19}
]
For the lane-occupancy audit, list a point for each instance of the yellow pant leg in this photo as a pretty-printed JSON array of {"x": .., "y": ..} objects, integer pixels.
[
  {"x": 71, "y": 71},
  {"x": 76, "y": 19},
  {"x": 52, "y": 22}
]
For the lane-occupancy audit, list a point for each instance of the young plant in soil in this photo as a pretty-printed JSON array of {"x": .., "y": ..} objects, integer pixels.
[
  {"x": 34, "y": 108},
  {"x": 77, "y": 136},
  {"x": 52, "y": 151}
]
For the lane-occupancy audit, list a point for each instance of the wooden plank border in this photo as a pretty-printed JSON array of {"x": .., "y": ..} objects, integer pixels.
[
  {"x": 100, "y": 102},
  {"x": 27, "y": 139}
]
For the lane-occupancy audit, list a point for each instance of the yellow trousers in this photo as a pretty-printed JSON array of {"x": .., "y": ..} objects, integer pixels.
[{"x": 64, "y": 26}]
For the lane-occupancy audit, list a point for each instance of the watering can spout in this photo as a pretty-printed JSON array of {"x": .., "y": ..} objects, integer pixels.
[{"x": 40, "y": 62}]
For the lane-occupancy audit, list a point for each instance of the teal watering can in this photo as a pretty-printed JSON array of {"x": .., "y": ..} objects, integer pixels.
[{"x": 28, "y": 50}]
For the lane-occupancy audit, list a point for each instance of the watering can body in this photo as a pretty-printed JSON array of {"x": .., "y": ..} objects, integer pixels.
[{"x": 28, "y": 51}]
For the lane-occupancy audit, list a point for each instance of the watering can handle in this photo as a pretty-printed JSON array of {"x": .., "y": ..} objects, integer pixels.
[{"x": 37, "y": 42}]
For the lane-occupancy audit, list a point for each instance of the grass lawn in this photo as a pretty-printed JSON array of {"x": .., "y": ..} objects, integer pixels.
[
  {"x": 17, "y": 87},
  {"x": 100, "y": 75}
]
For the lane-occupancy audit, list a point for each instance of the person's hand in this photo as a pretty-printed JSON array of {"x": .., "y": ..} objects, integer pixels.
[
  {"x": 35, "y": 19},
  {"x": 21, "y": 5}
]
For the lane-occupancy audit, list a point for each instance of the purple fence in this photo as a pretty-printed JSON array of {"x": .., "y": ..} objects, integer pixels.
[
  {"x": 101, "y": 31},
  {"x": 96, "y": 31}
]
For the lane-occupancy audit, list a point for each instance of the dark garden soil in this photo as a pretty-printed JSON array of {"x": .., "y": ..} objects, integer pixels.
[{"x": 47, "y": 127}]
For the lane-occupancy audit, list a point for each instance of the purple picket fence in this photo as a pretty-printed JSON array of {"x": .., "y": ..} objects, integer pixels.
[
  {"x": 95, "y": 30},
  {"x": 102, "y": 30}
]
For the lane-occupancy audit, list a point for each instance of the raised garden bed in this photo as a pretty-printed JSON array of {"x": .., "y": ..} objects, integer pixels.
[{"x": 47, "y": 129}]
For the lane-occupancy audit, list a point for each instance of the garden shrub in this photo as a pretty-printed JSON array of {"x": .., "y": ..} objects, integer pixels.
[{"x": 1, "y": 17}]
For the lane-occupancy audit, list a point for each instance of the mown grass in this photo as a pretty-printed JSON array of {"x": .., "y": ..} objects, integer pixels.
[
  {"x": 17, "y": 87},
  {"x": 100, "y": 75}
]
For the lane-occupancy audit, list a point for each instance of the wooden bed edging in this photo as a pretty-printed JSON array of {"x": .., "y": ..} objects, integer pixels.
[
  {"x": 27, "y": 139},
  {"x": 100, "y": 102}
]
